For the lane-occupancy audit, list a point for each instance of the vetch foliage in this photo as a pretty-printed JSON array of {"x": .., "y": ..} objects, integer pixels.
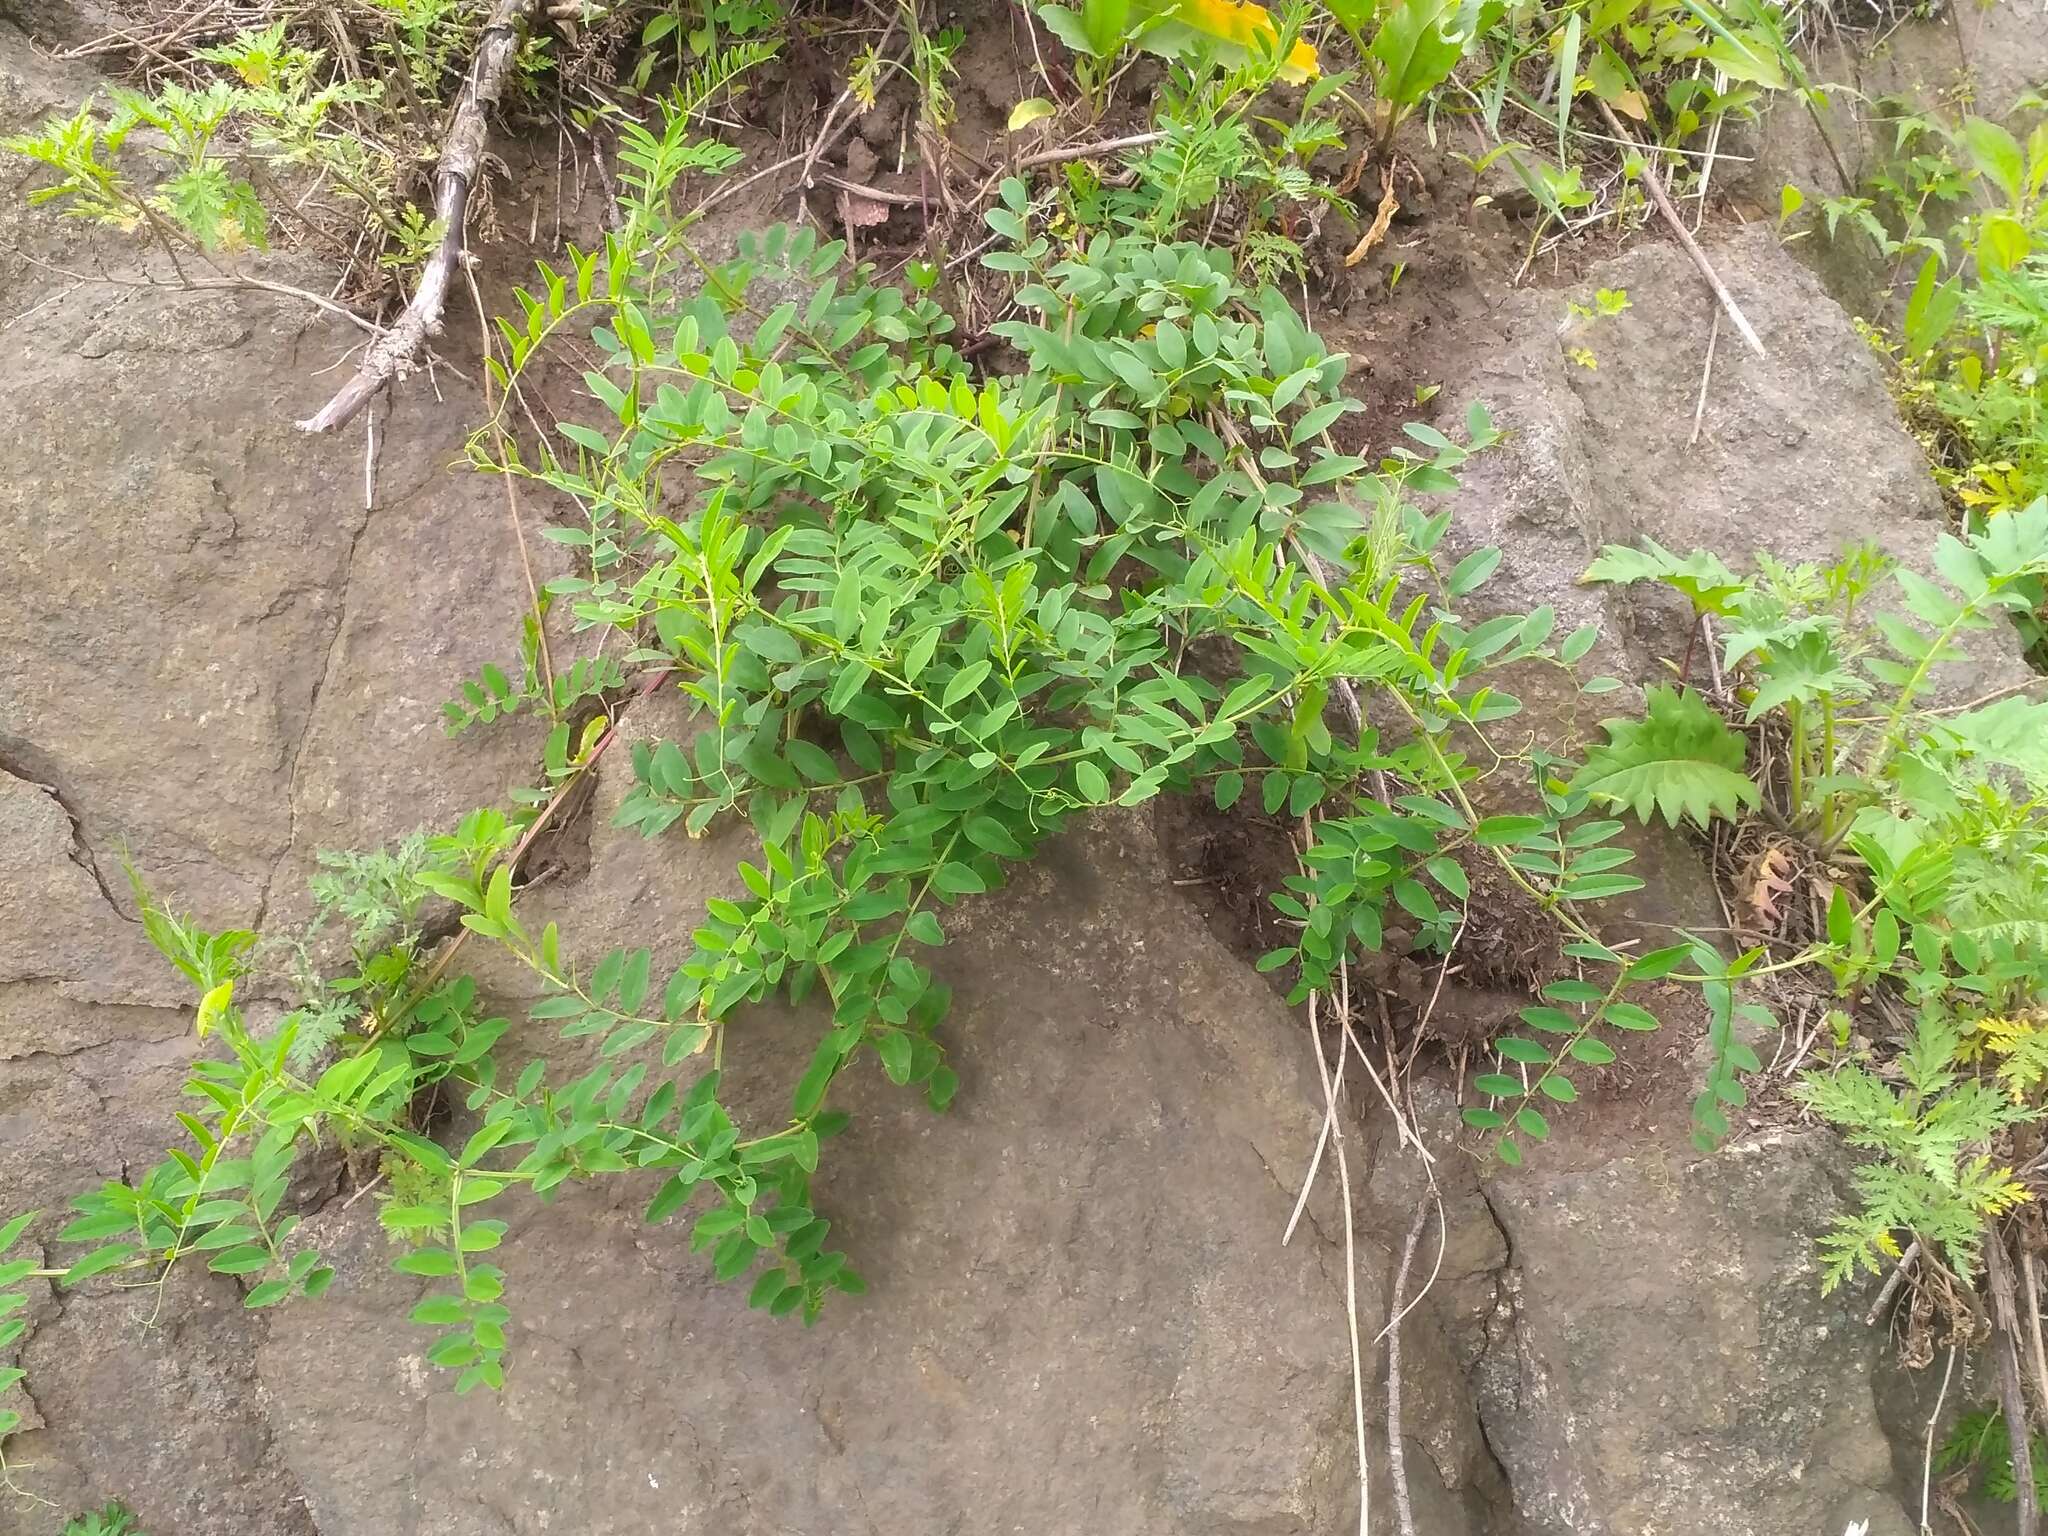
[{"x": 926, "y": 622}]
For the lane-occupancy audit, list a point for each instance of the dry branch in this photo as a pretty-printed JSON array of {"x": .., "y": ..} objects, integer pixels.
[
  {"x": 1692, "y": 248},
  {"x": 462, "y": 158},
  {"x": 1088, "y": 151},
  {"x": 2005, "y": 1336},
  {"x": 1898, "y": 1274}
]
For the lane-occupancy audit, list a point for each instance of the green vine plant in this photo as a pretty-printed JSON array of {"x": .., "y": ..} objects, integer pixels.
[
  {"x": 199, "y": 166},
  {"x": 491, "y": 695},
  {"x": 927, "y": 622},
  {"x": 209, "y": 168},
  {"x": 1920, "y": 830}
]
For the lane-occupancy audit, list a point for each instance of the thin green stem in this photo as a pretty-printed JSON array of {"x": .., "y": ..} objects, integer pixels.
[
  {"x": 1796, "y": 768},
  {"x": 1827, "y": 767}
]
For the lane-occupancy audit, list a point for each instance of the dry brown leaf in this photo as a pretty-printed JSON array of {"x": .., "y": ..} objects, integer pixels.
[
  {"x": 1770, "y": 878},
  {"x": 1389, "y": 206},
  {"x": 1349, "y": 181}
]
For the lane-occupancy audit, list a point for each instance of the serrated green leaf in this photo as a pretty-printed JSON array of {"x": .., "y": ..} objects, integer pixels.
[{"x": 1680, "y": 761}]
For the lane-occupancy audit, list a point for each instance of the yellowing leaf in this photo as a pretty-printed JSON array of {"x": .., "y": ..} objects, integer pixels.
[
  {"x": 214, "y": 1006},
  {"x": 1029, "y": 111}
]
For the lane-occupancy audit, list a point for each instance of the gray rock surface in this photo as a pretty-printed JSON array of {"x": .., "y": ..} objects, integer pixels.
[
  {"x": 216, "y": 658},
  {"x": 1643, "y": 1332},
  {"x": 1081, "y": 1317},
  {"x": 1980, "y": 59},
  {"x": 213, "y": 628},
  {"x": 1082, "y": 1313},
  {"x": 1654, "y": 1355},
  {"x": 1660, "y": 1360},
  {"x": 1799, "y": 452}
]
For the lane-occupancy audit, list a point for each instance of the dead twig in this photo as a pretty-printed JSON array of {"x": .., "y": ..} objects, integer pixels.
[
  {"x": 1308, "y": 1181},
  {"x": 1662, "y": 199},
  {"x": 1085, "y": 151},
  {"x": 370, "y": 462},
  {"x": 2030, "y": 1276},
  {"x": 1927, "y": 1456},
  {"x": 461, "y": 164},
  {"x": 2005, "y": 1333},
  {"x": 873, "y": 194},
  {"x": 1892, "y": 1282},
  {"x": 724, "y": 190},
  {"x": 1699, "y": 410}
]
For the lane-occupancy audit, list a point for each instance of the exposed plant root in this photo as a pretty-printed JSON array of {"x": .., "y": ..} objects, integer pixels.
[
  {"x": 1330, "y": 1087},
  {"x": 1892, "y": 1283},
  {"x": 1397, "y": 1456}
]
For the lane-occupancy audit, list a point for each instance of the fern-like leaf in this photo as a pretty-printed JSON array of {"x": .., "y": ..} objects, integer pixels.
[
  {"x": 1680, "y": 760},
  {"x": 1707, "y": 583},
  {"x": 1802, "y": 672},
  {"x": 2012, "y": 733}
]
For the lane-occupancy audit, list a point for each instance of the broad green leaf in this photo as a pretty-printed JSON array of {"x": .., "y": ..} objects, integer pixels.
[
  {"x": 1681, "y": 761},
  {"x": 1416, "y": 48}
]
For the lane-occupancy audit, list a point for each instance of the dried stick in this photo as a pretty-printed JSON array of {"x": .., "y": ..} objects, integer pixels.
[
  {"x": 1699, "y": 410},
  {"x": 462, "y": 158},
  {"x": 1084, "y": 151},
  {"x": 872, "y": 194},
  {"x": 1308, "y": 1181},
  {"x": 2005, "y": 1324},
  {"x": 1692, "y": 248},
  {"x": 1397, "y": 1456},
  {"x": 1899, "y": 1271},
  {"x": 723, "y": 190},
  {"x": 370, "y": 462},
  {"x": 2031, "y": 1277}
]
